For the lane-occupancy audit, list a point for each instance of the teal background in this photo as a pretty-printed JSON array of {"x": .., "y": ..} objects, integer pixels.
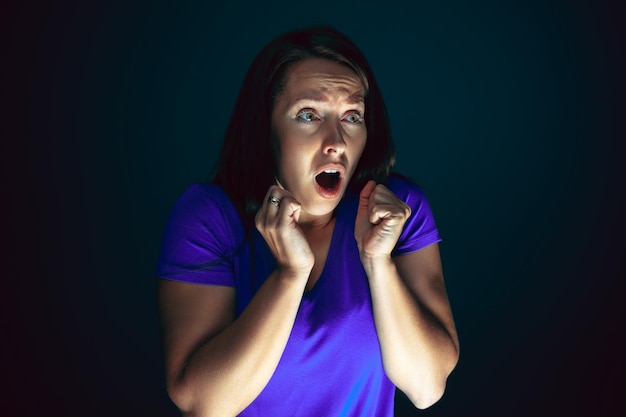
[{"x": 510, "y": 114}]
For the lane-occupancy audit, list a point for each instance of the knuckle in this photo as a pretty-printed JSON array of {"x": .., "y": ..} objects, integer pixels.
[
  {"x": 290, "y": 201},
  {"x": 272, "y": 190},
  {"x": 406, "y": 208}
]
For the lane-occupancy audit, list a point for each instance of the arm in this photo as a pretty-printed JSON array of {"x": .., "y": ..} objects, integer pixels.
[
  {"x": 414, "y": 323},
  {"x": 217, "y": 365},
  {"x": 412, "y": 314}
]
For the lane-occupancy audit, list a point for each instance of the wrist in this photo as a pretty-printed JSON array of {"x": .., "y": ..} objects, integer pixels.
[
  {"x": 294, "y": 272},
  {"x": 375, "y": 262}
]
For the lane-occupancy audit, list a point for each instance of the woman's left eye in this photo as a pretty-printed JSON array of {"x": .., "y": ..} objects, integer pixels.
[{"x": 354, "y": 117}]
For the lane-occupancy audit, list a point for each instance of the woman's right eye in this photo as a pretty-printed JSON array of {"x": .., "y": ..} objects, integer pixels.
[{"x": 306, "y": 115}]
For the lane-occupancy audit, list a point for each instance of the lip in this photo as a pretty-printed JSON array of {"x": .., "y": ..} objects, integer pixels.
[{"x": 334, "y": 193}]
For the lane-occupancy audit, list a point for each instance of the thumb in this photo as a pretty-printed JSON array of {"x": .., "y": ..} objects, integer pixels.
[
  {"x": 362, "y": 214},
  {"x": 366, "y": 192}
]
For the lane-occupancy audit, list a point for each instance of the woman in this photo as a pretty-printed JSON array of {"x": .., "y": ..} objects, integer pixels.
[{"x": 305, "y": 280}]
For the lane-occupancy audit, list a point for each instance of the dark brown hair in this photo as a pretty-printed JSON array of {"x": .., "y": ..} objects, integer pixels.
[{"x": 247, "y": 164}]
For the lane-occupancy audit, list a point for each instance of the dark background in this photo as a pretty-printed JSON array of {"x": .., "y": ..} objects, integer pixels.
[{"x": 510, "y": 114}]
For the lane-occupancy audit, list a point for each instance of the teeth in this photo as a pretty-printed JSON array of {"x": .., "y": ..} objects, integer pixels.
[{"x": 330, "y": 171}]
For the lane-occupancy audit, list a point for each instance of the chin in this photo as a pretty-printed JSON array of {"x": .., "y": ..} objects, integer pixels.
[{"x": 324, "y": 207}]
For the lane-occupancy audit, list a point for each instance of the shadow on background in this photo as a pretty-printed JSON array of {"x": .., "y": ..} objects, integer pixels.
[{"x": 511, "y": 116}]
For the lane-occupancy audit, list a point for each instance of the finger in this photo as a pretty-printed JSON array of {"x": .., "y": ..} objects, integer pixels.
[
  {"x": 278, "y": 183},
  {"x": 367, "y": 191},
  {"x": 396, "y": 212},
  {"x": 295, "y": 211},
  {"x": 273, "y": 196},
  {"x": 271, "y": 203},
  {"x": 383, "y": 195},
  {"x": 272, "y": 190},
  {"x": 397, "y": 207},
  {"x": 378, "y": 213},
  {"x": 289, "y": 210},
  {"x": 375, "y": 202},
  {"x": 273, "y": 200},
  {"x": 258, "y": 218}
]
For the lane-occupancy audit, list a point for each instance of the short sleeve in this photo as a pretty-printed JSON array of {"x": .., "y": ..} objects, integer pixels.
[
  {"x": 420, "y": 229},
  {"x": 201, "y": 236}
]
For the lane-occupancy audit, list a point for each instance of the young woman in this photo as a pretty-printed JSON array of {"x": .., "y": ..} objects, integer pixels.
[{"x": 305, "y": 280}]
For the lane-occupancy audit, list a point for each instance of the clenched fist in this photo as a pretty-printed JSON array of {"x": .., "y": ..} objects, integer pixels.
[
  {"x": 277, "y": 221},
  {"x": 379, "y": 221}
]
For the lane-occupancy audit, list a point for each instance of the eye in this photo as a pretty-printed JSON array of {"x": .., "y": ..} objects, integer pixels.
[
  {"x": 306, "y": 115},
  {"x": 354, "y": 117}
]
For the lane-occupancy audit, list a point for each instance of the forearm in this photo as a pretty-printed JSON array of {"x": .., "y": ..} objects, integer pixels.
[
  {"x": 418, "y": 350},
  {"x": 229, "y": 371}
]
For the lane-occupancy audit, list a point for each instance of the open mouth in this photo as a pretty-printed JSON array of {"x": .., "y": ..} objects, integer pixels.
[{"x": 328, "y": 179}]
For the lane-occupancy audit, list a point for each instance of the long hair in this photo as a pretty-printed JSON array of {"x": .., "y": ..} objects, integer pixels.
[{"x": 247, "y": 161}]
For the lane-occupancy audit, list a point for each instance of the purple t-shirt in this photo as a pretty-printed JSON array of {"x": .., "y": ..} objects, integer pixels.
[{"x": 332, "y": 364}]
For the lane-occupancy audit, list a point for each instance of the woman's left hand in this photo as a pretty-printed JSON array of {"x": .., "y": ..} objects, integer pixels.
[{"x": 379, "y": 221}]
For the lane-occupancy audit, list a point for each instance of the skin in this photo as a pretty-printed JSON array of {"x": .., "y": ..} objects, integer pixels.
[
  {"x": 317, "y": 120},
  {"x": 412, "y": 313},
  {"x": 217, "y": 365}
]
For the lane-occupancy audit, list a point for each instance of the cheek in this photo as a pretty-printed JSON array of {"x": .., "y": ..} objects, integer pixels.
[
  {"x": 291, "y": 165},
  {"x": 283, "y": 150},
  {"x": 359, "y": 147}
]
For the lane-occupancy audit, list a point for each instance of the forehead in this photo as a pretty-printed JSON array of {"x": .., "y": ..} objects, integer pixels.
[{"x": 321, "y": 79}]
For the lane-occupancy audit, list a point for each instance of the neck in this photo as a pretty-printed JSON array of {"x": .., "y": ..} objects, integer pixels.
[{"x": 310, "y": 223}]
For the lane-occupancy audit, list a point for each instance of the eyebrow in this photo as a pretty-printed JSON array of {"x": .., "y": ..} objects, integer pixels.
[{"x": 355, "y": 98}]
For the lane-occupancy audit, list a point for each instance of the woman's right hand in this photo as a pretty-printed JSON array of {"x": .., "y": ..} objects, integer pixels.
[{"x": 277, "y": 221}]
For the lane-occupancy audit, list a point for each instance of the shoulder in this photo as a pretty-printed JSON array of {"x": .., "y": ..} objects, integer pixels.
[
  {"x": 201, "y": 194},
  {"x": 202, "y": 200},
  {"x": 206, "y": 207},
  {"x": 420, "y": 229},
  {"x": 201, "y": 235},
  {"x": 406, "y": 189}
]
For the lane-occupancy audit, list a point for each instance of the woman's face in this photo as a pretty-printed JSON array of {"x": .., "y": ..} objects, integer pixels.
[{"x": 318, "y": 121}]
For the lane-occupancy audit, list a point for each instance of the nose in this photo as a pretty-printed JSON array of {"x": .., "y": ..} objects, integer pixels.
[{"x": 333, "y": 140}]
